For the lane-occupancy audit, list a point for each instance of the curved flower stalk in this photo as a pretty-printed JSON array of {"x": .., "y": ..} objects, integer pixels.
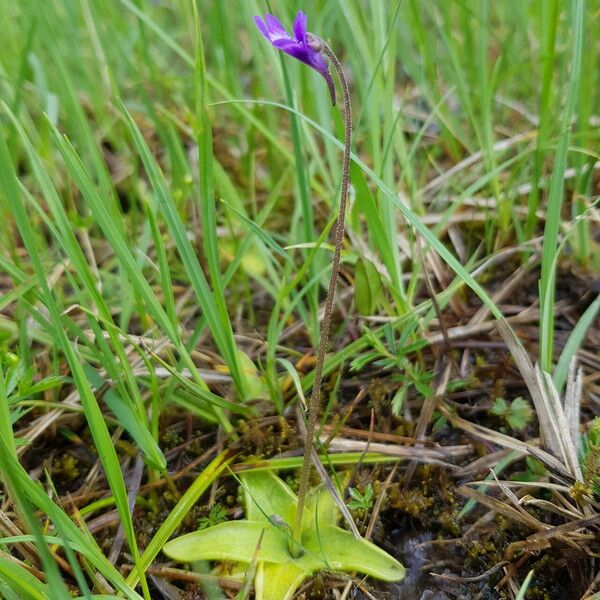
[{"x": 313, "y": 51}]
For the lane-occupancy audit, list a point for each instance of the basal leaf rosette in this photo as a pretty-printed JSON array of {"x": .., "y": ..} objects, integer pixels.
[{"x": 265, "y": 537}]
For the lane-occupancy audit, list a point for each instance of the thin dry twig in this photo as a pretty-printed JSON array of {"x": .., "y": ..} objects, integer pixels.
[{"x": 475, "y": 578}]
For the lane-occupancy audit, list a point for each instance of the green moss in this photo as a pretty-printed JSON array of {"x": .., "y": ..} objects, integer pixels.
[{"x": 66, "y": 467}]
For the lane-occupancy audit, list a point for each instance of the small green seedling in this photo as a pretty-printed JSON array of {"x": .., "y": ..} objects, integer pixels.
[
  {"x": 517, "y": 414},
  {"x": 360, "y": 501},
  {"x": 534, "y": 471},
  {"x": 265, "y": 539},
  {"x": 217, "y": 515}
]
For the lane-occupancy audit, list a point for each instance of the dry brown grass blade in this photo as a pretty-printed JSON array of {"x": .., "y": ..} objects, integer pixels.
[
  {"x": 556, "y": 432},
  {"x": 508, "y": 287},
  {"x": 527, "y": 370},
  {"x": 481, "y": 577},
  {"x": 525, "y": 500},
  {"x": 133, "y": 484},
  {"x": 521, "y": 484},
  {"x": 443, "y": 366},
  {"x": 418, "y": 453},
  {"x": 174, "y": 574},
  {"x": 334, "y": 430},
  {"x": 9, "y": 529},
  {"x": 510, "y": 512},
  {"x": 334, "y": 493},
  {"x": 569, "y": 527},
  {"x": 551, "y": 507},
  {"x": 325, "y": 476},
  {"x": 490, "y": 435},
  {"x": 567, "y": 533},
  {"x": 35, "y": 572},
  {"x": 482, "y": 466},
  {"x": 554, "y": 466},
  {"x": 573, "y": 400},
  {"x": 529, "y": 315},
  {"x": 374, "y": 436},
  {"x": 501, "y": 439},
  {"x": 568, "y": 512},
  {"x": 562, "y": 427},
  {"x": 379, "y": 502}
]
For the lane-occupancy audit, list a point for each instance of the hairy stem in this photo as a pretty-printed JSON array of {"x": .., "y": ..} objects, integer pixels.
[{"x": 315, "y": 397}]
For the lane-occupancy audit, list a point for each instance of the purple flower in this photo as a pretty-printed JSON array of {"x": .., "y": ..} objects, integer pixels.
[{"x": 301, "y": 45}]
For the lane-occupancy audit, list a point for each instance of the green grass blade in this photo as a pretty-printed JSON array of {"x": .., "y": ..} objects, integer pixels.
[
  {"x": 182, "y": 508},
  {"x": 549, "y": 15},
  {"x": 214, "y": 300},
  {"x": 555, "y": 196},
  {"x": 407, "y": 213},
  {"x": 574, "y": 341},
  {"x": 222, "y": 332},
  {"x": 95, "y": 419},
  {"x": 21, "y": 581}
]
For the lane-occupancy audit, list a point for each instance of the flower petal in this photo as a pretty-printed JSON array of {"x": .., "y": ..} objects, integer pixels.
[
  {"x": 275, "y": 26},
  {"x": 296, "y": 46},
  {"x": 300, "y": 27},
  {"x": 262, "y": 27},
  {"x": 317, "y": 62},
  {"x": 291, "y": 47}
]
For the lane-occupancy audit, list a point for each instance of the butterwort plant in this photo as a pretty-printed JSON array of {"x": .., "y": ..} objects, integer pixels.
[
  {"x": 314, "y": 52},
  {"x": 286, "y": 538}
]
